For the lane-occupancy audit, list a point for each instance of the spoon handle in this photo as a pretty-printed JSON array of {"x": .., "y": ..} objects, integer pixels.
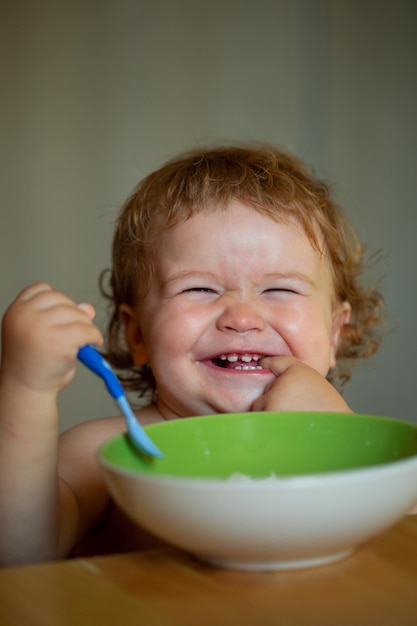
[{"x": 97, "y": 364}]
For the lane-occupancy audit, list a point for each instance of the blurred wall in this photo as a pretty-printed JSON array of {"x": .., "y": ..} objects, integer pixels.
[{"x": 97, "y": 93}]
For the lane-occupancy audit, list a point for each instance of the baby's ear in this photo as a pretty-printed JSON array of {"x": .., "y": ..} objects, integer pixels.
[
  {"x": 341, "y": 317},
  {"x": 133, "y": 334}
]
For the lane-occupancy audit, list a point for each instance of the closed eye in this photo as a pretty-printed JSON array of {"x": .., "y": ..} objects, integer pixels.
[
  {"x": 200, "y": 293},
  {"x": 199, "y": 290}
]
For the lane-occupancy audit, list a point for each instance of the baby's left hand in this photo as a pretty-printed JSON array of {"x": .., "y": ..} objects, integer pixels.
[{"x": 298, "y": 387}]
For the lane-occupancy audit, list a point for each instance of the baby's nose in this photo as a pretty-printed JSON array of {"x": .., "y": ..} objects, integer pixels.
[{"x": 240, "y": 316}]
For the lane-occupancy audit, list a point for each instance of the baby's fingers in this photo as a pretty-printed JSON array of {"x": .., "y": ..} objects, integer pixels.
[
  {"x": 88, "y": 309},
  {"x": 279, "y": 364},
  {"x": 33, "y": 290}
]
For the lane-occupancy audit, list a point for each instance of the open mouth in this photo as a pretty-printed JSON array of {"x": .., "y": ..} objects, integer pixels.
[{"x": 238, "y": 361}]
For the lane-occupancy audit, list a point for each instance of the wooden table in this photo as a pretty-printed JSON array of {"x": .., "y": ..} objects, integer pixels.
[{"x": 375, "y": 586}]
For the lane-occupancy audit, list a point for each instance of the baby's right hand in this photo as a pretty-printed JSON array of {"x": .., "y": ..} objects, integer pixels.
[{"x": 41, "y": 333}]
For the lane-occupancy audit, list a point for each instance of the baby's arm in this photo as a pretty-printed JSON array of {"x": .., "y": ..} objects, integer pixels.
[
  {"x": 41, "y": 334},
  {"x": 298, "y": 387}
]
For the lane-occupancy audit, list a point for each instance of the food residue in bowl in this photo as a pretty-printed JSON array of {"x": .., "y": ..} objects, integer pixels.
[{"x": 245, "y": 478}]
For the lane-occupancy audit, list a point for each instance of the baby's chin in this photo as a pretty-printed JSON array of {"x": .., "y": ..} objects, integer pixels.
[
  {"x": 168, "y": 412},
  {"x": 212, "y": 401},
  {"x": 223, "y": 406}
]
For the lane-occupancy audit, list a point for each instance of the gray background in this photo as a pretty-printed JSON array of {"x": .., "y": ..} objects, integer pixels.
[{"x": 97, "y": 93}]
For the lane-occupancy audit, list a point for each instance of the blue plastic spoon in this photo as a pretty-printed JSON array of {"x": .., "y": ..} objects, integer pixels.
[{"x": 95, "y": 362}]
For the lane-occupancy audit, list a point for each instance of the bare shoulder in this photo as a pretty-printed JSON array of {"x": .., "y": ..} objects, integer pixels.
[
  {"x": 83, "y": 495},
  {"x": 77, "y": 462},
  {"x": 91, "y": 433},
  {"x": 94, "y": 432},
  {"x": 82, "y": 483},
  {"x": 82, "y": 441}
]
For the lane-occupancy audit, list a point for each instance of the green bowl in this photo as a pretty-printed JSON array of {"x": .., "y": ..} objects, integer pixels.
[
  {"x": 267, "y": 490},
  {"x": 257, "y": 444}
]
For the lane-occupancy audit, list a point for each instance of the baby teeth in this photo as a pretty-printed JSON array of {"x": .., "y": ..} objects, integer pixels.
[{"x": 246, "y": 358}]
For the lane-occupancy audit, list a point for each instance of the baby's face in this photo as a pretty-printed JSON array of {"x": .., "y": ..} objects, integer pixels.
[{"x": 230, "y": 287}]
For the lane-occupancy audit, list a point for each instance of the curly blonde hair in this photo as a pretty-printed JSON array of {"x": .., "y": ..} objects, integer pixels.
[{"x": 275, "y": 184}]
